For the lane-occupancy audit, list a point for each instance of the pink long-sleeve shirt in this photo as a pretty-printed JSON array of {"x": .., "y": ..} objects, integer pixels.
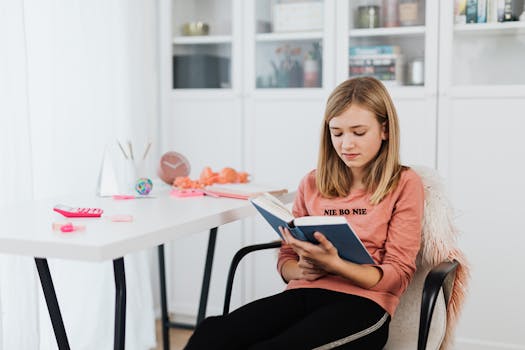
[{"x": 390, "y": 231}]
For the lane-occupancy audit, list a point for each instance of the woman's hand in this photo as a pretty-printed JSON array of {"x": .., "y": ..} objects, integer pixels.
[
  {"x": 308, "y": 271},
  {"x": 315, "y": 260},
  {"x": 323, "y": 257}
]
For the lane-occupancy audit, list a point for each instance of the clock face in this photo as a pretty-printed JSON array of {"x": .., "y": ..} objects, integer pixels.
[{"x": 172, "y": 165}]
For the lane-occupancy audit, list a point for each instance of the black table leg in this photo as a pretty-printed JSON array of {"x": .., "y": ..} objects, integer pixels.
[
  {"x": 52, "y": 303},
  {"x": 163, "y": 299},
  {"x": 120, "y": 304},
  {"x": 166, "y": 323},
  {"x": 207, "y": 275},
  {"x": 54, "y": 309}
]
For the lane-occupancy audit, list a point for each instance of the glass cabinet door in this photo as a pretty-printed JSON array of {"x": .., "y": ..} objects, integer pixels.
[
  {"x": 387, "y": 41},
  {"x": 488, "y": 43},
  {"x": 202, "y": 44},
  {"x": 289, "y": 43}
]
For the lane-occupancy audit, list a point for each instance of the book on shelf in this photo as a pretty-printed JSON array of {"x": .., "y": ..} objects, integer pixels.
[
  {"x": 472, "y": 11},
  {"x": 387, "y": 68},
  {"x": 482, "y": 11},
  {"x": 486, "y": 11},
  {"x": 335, "y": 228},
  {"x": 384, "y": 62},
  {"x": 243, "y": 190},
  {"x": 460, "y": 11},
  {"x": 374, "y": 50}
]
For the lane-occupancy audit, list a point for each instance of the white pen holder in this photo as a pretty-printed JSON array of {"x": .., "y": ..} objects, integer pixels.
[{"x": 118, "y": 174}]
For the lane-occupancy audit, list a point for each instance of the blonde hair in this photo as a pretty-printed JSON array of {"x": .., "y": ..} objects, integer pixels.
[{"x": 334, "y": 178}]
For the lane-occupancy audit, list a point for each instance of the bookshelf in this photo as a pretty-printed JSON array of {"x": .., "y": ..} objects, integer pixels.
[
  {"x": 415, "y": 63},
  {"x": 481, "y": 58}
]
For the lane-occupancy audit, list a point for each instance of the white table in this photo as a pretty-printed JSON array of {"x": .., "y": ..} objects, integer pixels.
[{"x": 26, "y": 230}]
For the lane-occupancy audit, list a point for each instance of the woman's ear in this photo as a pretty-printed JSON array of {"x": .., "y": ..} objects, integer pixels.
[{"x": 384, "y": 131}]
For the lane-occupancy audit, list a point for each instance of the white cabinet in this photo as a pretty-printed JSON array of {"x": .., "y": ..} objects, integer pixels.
[
  {"x": 267, "y": 120},
  {"x": 481, "y": 109},
  {"x": 459, "y": 110}
]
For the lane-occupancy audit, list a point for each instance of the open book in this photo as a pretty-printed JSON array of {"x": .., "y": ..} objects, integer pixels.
[
  {"x": 335, "y": 228},
  {"x": 242, "y": 191}
]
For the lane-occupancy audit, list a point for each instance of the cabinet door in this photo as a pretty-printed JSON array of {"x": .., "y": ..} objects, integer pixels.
[
  {"x": 203, "y": 121},
  {"x": 204, "y": 40},
  {"x": 289, "y": 72},
  {"x": 287, "y": 44},
  {"x": 481, "y": 59},
  {"x": 391, "y": 40},
  {"x": 208, "y": 131},
  {"x": 481, "y": 104},
  {"x": 282, "y": 138},
  {"x": 396, "y": 42},
  {"x": 482, "y": 161}
]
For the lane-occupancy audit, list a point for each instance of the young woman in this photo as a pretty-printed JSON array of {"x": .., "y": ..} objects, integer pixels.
[{"x": 330, "y": 302}]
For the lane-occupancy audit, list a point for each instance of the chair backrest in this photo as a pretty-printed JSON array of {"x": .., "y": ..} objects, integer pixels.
[
  {"x": 438, "y": 244},
  {"x": 403, "y": 333}
]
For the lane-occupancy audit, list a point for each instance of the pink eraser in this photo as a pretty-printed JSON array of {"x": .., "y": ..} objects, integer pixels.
[
  {"x": 186, "y": 193},
  {"x": 67, "y": 227},
  {"x": 122, "y": 218},
  {"x": 57, "y": 225}
]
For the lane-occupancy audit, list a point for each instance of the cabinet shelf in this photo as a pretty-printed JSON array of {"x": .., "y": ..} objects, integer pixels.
[
  {"x": 203, "y": 94},
  {"x": 509, "y": 28},
  {"x": 269, "y": 37},
  {"x": 394, "y": 31},
  {"x": 289, "y": 94},
  {"x": 407, "y": 92},
  {"x": 487, "y": 91},
  {"x": 202, "y": 39}
]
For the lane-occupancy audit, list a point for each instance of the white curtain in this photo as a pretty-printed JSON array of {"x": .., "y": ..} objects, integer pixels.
[
  {"x": 74, "y": 75},
  {"x": 17, "y": 293}
]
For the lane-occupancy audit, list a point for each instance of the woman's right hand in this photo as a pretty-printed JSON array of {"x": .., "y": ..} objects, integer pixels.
[{"x": 302, "y": 269}]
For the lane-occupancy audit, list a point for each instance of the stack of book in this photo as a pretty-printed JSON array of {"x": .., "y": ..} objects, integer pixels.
[
  {"x": 384, "y": 62},
  {"x": 487, "y": 11}
]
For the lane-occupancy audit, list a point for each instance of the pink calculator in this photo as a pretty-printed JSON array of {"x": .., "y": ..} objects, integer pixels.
[{"x": 72, "y": 212}]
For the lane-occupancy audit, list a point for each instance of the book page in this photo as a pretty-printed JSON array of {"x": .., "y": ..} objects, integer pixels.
[
  {"x": 274, "y": 206},
  {"x": 319, "y": 220}
]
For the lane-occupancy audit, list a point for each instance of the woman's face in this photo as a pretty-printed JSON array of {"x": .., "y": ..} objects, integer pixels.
[{"x": 356, "y": 136}]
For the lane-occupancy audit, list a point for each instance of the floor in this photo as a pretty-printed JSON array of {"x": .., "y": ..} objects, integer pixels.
[{"x": 178, "y": 337}]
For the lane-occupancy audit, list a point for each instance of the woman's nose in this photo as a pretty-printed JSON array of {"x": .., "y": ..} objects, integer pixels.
[{"x": 348, "y": 142}]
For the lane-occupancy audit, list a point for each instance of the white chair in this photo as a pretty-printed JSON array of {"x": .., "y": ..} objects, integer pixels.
[{"x": 428, "y": 310}]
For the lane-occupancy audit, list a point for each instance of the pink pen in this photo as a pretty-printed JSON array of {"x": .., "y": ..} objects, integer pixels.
[
  {"x": 123, "y": 196},
  {"x": 211, "y": 194}
]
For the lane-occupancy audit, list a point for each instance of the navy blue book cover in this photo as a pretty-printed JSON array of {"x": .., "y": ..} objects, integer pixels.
[{"x": 348, "y": 245}]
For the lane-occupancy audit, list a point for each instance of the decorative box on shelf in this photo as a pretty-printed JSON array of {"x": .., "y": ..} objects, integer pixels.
[{"x": 298, "y": 16}]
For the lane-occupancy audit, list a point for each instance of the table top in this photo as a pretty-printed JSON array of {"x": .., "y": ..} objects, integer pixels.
[{"x": 26, "y": 228}]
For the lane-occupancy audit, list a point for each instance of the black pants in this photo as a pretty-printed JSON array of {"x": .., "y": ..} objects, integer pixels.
[{"x": 297, "y": 319}]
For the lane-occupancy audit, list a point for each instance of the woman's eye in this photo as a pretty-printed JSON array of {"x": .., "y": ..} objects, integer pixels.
[
  {"x": 337, "y": 135},
  {"x": 359, "y": 133}
]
